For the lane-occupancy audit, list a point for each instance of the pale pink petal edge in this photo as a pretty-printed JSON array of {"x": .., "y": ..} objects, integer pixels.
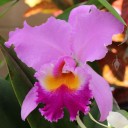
[{"x": 29, "y": 103}]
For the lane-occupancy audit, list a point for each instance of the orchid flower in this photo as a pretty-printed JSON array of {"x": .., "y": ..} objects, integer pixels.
[
  {"x": 117, "y": 120},
  {"x": 59, "y": 51}
]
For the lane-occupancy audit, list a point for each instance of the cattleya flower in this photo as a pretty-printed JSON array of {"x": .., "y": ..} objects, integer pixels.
[{"x": 59, "y": 51}]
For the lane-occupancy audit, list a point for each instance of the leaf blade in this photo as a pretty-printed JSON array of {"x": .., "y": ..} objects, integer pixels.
[
  {"x": 9, "y": 108},
  {"x": 2, "y": 2}
]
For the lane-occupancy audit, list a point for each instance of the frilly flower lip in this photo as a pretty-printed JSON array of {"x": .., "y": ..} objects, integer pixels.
[{"x": 58, "y": 52}]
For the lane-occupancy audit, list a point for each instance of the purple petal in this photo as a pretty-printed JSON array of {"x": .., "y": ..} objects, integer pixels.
[
  {"x": 63, "y": 97},
  {"x": 74, "y": 100},
  {"x": 92, "y": 32},
  {"x": 78, "y": 101},
  {"x": 56, "y": 68},
  {"x": 29, "y": 103},
  {"x": 64, "y": 64},
  {"x": 41, "y": 44},
  {"x": 101, "y": 92}
]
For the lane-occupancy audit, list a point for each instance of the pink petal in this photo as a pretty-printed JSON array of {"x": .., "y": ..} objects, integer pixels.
[
  {"x": 64, "y": 64},
  {"x": 29, "y": 103},
  {"x": 78, "y": 101},
  {"x": 63, "y": 97},
  {"x": 101, "y": 92},
  {"x": 41, "y": 44},
  {"x": 55, "y": 68},
  {"x": 92, "y": 32}
]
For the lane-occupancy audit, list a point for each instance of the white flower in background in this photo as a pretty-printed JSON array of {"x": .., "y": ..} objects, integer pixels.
[
  {"x": 32, "y": 3},
  {"x": 117, "y": 120}
]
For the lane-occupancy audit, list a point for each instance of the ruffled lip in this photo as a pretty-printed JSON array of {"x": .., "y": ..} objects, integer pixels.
[
  {"x": 63, "y": 97},
  {"x": 74, "y": 100}
]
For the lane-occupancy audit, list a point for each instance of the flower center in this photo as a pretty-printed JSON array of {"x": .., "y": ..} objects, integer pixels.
[{"x": 68, "y": 79}]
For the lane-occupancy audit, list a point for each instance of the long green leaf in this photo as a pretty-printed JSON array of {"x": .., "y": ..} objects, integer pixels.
[
  {"x": 112, "y": 10},
  {"x": 9, "y": 108},
  {"x": 2, "y": 2},
  {"x": 5, "y": 10}
]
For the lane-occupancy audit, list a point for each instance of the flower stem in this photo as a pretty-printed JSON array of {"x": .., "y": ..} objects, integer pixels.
[
  {"x": 80, "y": 122},
  {"x": 92, "y": 118}
]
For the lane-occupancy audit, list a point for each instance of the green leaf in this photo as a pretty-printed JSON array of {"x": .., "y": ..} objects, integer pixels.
[
  {"x": 22, "y": 82},
  {"x": 95, "y": 66},
  {"x": 28, "y": 71},
  {"x": 112, "y": 10},
  {"x": 5, "y": 10},
  {"x": 66, "y": 13},
  {"x": 96, "y": 114},
  {"x": 65, "y": 122},
  {"x": 9, "y": 108},
  {"x": 2, "y": 2}
]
